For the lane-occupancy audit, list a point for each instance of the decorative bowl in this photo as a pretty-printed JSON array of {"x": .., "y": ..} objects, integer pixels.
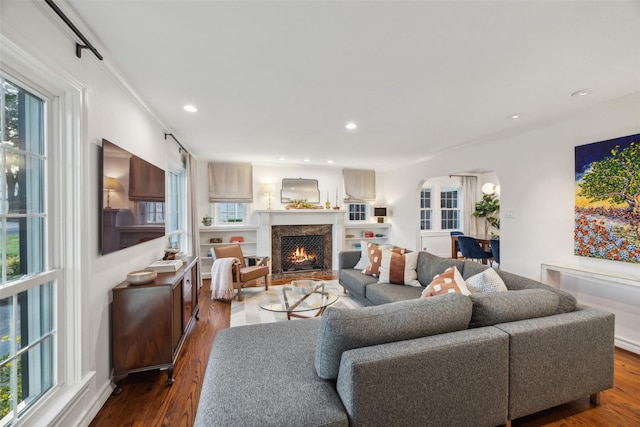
[{"x": 141, "y": 277}]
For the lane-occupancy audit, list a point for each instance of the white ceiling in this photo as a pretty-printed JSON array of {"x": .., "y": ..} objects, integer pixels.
[{"x": 274, "y": 79}]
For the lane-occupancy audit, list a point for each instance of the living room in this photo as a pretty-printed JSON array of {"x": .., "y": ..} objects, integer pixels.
[{"x": 531, "y": 157}]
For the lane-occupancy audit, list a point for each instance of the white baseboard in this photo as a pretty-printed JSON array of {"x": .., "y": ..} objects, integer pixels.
[
  {"x": 101, "y": 398},
  {"x": 626, "y": 344}
]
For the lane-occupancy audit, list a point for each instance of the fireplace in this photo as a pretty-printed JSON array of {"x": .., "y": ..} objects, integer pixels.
[
  {"x": 299, "y": 249},
  {"x": 302, "y": 253}
]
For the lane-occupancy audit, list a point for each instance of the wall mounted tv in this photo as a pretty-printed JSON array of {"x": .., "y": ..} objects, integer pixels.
[{"x": 132, "y": 205}]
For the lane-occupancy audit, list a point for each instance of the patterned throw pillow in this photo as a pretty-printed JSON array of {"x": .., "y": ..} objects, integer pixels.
[
  {"x": 375, "y": 258},
  {"x": 399, "y": 268},
  {"x": 486, "y": 281},
  {"x": 448, "y": 281}
]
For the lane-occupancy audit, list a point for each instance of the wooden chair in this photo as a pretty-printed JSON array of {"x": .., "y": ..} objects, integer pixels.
[{"x": 243, "y": 273}]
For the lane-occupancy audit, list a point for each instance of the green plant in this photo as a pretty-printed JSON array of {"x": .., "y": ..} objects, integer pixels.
[{"x": 488, "y": 209}]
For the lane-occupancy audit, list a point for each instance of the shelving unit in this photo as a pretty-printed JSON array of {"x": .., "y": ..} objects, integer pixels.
[
  {"x": 357, "y": 230},
  {"x": 226, "y": 232}
]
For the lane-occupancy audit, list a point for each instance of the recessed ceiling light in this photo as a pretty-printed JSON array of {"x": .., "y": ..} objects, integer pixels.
[
  {"x": 281, "y": 158},
  {"x": 582, "y": 92},
  {"x": 351, "y": 126},
  {"x": 190, "y": 108},
  {"x": 307, "y": 160},
  {"x": 329, "y": 161},
  {"x": 514, "y": 116}
]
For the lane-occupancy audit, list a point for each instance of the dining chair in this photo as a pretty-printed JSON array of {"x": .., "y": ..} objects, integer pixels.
[
  {"x": 457, "y": 233},
  {"x": 495, "y": 250},
  {"x": 471, "y": 249},
  {"x": 243, "y": 273}
]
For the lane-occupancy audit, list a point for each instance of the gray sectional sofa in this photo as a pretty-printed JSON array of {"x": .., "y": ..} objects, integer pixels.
[{"x": 480, "y": 360}]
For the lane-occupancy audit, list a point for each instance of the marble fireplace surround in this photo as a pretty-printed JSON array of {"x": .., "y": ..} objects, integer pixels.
[
  {"x": 267, "y": 219},
  {"x": 280, "y": 231}
]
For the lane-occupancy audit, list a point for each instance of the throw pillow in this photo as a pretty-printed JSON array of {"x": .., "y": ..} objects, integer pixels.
[
  {"x": 486, "y": 281},
  {"x": 375, "y": 259},
  {"x": 399, "y": 268},
  {"x": 364, "y": 257},
  {"x": 449, "y": 281}
]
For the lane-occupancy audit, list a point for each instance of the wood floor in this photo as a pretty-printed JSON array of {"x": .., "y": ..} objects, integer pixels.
[{"x": 146, "y": 400}]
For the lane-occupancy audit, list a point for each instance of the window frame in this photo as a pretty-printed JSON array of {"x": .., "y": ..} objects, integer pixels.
[
  {"x": 438, "y": 187},
  {"x": 179, "y": 235},
  {"x": 364, "y": 212},
  {"x": 218, "y": 215},
  {"x": 65, "y": 176},
  {"x": 426, "y": 210},
  {"x": 457, "y": 209}
]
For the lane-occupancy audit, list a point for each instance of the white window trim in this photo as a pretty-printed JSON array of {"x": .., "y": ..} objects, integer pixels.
[
  {"x": 436, "y": 217},
  {"x": 65, "y": 117},
  {"x": 215, "y": 214},
  {"x": 368, "y": 213}
]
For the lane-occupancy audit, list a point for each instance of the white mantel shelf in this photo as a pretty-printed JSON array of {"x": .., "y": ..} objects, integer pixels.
[{"x": 298, "y": 211}]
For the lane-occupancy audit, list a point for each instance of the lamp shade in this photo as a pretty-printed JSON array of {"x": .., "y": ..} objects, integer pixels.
[
  {"x": 110, "y": 183},
  {"x": 268, "y": 188},
  {"x": 488, "y": 188}
]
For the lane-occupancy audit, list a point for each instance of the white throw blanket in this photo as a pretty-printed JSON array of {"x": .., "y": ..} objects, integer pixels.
[{"x": 222, "y": 278}]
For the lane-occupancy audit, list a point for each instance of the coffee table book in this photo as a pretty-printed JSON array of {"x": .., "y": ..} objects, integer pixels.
[{"x": 166, "y": 266}]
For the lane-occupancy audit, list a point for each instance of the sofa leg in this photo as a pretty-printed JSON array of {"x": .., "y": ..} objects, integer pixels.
[
  {"x": 508, "y": 423},
  {"x": 595, "y": 398}
]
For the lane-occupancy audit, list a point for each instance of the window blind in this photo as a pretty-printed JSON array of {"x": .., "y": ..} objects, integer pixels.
[
  {"x": 359, "y": 185},
  {"x": 231, "y": 182}
]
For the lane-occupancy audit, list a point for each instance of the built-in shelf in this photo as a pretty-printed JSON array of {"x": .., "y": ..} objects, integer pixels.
[
  {"x": 225, "y": 232},
  {"x": 381, "y": 234}
]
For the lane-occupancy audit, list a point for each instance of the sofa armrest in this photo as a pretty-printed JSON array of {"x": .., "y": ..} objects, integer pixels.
[
  {"x": 560, "y": 358},
  {"x": 457, "y": 378},
  {"x": 348, "y": 259}
]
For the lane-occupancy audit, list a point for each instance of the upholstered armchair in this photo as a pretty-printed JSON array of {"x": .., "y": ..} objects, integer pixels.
[{"x": 243, "y": 274}]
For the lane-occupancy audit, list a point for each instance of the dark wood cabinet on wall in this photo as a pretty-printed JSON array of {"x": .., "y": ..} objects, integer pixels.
[{"x": 150, "y": 322}]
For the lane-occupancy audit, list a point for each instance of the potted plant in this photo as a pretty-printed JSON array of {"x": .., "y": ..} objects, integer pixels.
[
  {"x": 488, "y": 208},
  {"x": 207, "y": 220}
]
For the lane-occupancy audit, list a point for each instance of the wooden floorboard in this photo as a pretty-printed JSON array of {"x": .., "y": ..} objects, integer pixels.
[{"x": 147, "y": 400}]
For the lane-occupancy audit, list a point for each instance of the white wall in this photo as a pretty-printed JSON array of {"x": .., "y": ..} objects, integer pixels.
[
  {"x": 536, "y": 172},
  {"x": 111, "y": 113}
]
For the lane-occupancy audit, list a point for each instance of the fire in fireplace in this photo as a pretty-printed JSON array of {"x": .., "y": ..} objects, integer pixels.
[{"x": 302, "y": 253}]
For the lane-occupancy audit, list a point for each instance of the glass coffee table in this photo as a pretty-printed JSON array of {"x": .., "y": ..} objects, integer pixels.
[{"x": 298, "y": 297}]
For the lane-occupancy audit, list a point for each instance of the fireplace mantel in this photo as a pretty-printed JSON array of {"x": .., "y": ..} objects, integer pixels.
[{"x": 268, "y": 218}]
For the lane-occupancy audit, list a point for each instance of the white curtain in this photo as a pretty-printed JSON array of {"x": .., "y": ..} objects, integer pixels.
[
  {"x": 192, "y": 207},
  {"x": 231, "y": 182},
  {"x": 469, "y": 199},
  {"x": 359, "y": 185}
]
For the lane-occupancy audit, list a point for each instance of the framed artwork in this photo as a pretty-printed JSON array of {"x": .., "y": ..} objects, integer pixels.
[{"x": 607, "y": 199}]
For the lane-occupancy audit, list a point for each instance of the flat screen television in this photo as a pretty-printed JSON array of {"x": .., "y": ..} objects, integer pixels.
[{"x": 132, "y": 205}]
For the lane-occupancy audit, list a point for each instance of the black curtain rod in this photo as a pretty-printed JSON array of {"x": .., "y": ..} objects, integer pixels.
[
  {"x": 87, "y": 44},
  {"x": 177, "y": 142}
]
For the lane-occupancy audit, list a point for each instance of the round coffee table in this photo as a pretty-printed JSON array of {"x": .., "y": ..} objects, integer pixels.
[{"x": 301, "y": 296}]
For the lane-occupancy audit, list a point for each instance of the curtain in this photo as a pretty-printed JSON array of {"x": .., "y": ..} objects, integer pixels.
[
  {"x": 469, "y": 199},
  {"x": 359, "y": 185},
  {"x": 192, "y": 208},
  {"x": 231, "y": 182}
]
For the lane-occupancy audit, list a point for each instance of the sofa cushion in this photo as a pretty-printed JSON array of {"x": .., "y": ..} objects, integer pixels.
[
  {"x": 516, "y": 283},
  {"x": 355, "y": 282},
  {"x": 429, "y": 265},
  {"x": 241, "y": 389},
  {"x": 399, "y": 268},
  {"x": 384, "y": 293},
  {"x": 343, "y": 329},
  {"x": 502, "y": 307},
  {"x": 486, "y": 281},
  {"x": 449, "y": 281},
  {"x": 471, "y": 268}
]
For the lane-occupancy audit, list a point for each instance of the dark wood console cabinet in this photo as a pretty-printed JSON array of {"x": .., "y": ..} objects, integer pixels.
[{"x": 150, "y": 322}]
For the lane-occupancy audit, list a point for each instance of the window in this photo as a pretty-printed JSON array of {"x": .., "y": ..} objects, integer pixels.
[
  {"x": 176, "y": 225},
  {"x": 357, "y": 211},
  {"x": 229, "y": 213},
  {"x": 449, "y": 210},
  {"x": 28, "y": 284},
  {"x": 425, "y": 209}
]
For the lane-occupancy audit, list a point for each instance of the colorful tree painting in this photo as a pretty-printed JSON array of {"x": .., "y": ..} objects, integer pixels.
[{"x": 607, "y": 211}]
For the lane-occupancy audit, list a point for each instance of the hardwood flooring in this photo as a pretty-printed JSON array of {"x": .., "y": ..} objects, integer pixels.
[{"x": 146, "y": 400}]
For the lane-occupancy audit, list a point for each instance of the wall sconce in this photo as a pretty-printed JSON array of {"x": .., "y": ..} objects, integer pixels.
[
  {"x": 268, "y": 188},
  {"x": 110, "y": 184},
  {"x": 381, "y": 213}
]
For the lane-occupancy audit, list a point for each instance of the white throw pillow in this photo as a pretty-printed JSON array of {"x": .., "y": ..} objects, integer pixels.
[
  {"x": 364, "y": 257},
  {"x": 486, "y": 281},
  {"x": 402, "y": 271}
]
